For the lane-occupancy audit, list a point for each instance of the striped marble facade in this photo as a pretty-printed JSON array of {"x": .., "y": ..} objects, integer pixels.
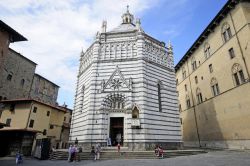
[{"x": 122, "y": 71}]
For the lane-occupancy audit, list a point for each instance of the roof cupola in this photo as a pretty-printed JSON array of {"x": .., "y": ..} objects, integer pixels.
[{"x": 127, "y": 18}]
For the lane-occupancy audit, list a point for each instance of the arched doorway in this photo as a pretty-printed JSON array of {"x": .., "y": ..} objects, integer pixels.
[
  {"x": 116, "y": 130},
  {"x": 114, "y": 104}
]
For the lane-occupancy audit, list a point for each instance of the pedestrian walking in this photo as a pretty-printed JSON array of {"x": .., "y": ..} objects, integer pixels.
[
  {"x": 160, "y": 152},
  {"x": 72, "y": 153},
  {"x": 157, "y": 150},
  {"x": 75, "y": 153},
  {"x": 118, "y": 147},
  {"x": 93, "y": 152},
  {"x": 118, "y": 138},
  {"x": 69, "y": 153},
  {"x": 79, "y": 150},
  {"x": 108, "y": 141},
  {"x": 19, "y": 158},
  {"x": 97, "y": 151}
]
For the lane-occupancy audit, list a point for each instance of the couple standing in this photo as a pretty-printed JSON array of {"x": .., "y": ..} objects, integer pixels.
[
  {"x": 96, "y": 151},
  {"x": 74, "y": 152}
]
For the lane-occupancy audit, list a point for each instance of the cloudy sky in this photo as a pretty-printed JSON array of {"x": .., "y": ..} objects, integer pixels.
[{"x": 57, "y": 30}]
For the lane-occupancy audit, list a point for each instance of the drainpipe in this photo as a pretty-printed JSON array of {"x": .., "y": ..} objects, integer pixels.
[
  {"x": 31, "y": 106},
  {"x": 195, "y": 116},
  {"x": 34, "y": 137}
]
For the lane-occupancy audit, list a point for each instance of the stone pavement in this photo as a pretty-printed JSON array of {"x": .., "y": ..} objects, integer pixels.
[{"x": 212, "y": 158}]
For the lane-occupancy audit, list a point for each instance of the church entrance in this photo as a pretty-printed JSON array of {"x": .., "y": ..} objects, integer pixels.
[{"x": 116, "y": 130}]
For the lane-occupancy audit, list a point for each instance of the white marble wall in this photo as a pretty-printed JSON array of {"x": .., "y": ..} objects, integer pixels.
[{"x": 142, "y": 60}]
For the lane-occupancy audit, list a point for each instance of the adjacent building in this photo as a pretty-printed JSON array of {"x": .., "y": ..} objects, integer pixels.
[
  {"x": 17, "y": 76},
  {"x": 126, "y": 90},
  {"x": 27, "y": 121},
  {"x": 16, "y": 71},
  {"x": 213, "y": 82},
  {"x": 29, "y": 114},
  {"x": 7, "y": 36},
  {"x": 44, "y": 90},
  {"x": 65, "y": 128}
]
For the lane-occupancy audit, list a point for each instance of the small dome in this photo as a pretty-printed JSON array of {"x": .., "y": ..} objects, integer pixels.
[{"x": 127, "y": 18}]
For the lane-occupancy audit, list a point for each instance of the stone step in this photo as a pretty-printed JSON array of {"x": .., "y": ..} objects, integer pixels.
[
  {"x": 114, "y": 148},
  {"x": 108, "y": 154}
]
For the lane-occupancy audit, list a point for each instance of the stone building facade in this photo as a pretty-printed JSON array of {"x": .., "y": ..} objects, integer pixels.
[
  {"x": 213, "y": 82},
  {"x": 126, "y": 90},
  {"x": 9, "y": 73},
  {"x": 17, "y": 76},
  {"x": 17, "y": 73},
  {"x": 44, "y": 90},
  {"x": 27, "y": 102},
  {"x": 7, "y": 36}
]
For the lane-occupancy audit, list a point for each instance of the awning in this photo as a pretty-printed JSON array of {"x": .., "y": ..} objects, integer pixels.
[{"x": 5, "y": 129}]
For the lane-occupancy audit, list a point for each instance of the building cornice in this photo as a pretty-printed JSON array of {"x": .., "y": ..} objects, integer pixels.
[
  {"x": 210, "y": 28},
  {"x": 33, "y": 100},
  {"x": 10, "y": 49},
  {"x": 124, "y": 60},
  {"x": 38, "y": 75},
  {"x": 15, "y": 36}
]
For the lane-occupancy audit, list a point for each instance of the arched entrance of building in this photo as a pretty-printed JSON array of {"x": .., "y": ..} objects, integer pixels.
[
  {"x": 114, "y": 107},
  {"x": 116, "y": 130}
]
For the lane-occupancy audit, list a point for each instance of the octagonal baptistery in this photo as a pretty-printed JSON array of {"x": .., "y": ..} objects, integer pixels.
[{"x": 126, "y": 91}]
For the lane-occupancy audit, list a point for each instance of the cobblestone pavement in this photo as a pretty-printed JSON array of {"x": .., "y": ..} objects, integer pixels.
[{"x": 212, "y": 158}]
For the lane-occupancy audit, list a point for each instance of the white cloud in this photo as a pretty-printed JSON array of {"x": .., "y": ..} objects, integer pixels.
[{"x": 57, "y": 31}]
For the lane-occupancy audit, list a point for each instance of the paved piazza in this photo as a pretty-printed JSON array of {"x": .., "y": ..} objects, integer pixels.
[{"x": 213, "y": 158}]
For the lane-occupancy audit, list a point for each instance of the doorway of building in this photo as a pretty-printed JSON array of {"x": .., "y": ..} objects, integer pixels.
[{"x": 116, "y": 130}]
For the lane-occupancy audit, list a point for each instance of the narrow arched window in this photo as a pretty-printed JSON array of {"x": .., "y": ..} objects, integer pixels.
[
  {"x": 180, "y": 108},
  {"x": 215, "y": 87},
  {"x": 207, "y": 52},
  {"x": 159, "y": 96},
  {"x": 184, "y": 74},
  {"x": 22, "y": 82},
  {"x": 193, "y": 63},
  {"x": 199, "y": 96},
  {"x": 238, "y": 75},
  {"x": 188, "y": 102},
  {"x": 81, "y": 98},
  {"x": 226, "y": 32}
]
